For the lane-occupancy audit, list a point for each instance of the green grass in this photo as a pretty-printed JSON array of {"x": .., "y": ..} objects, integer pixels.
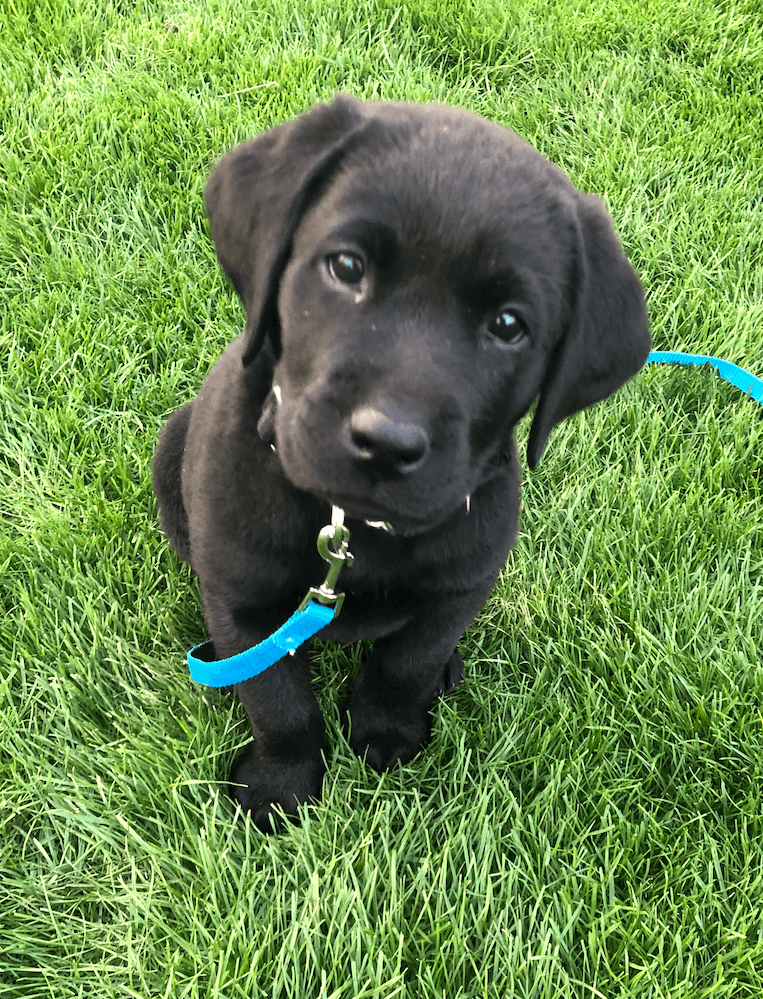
[{"x": 587, "y": 820}]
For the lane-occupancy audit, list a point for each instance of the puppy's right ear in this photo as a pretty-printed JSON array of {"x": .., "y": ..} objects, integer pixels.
[{"x": 256, "y": 197}]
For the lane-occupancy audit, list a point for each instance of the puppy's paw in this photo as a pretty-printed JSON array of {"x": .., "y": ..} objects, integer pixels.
[
  {"x": 452, "y": 674},
  {"x": 386, "y": 724},
  {"x": 258, "y": 782},
  {"x": 383, "y": 741},
  {"x": 383, "y": 731}
]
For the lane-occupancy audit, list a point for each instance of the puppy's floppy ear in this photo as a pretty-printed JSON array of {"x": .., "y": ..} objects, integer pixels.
[
  {"x": 256, "y": 197},
  {"x": 607, "y": 339}
]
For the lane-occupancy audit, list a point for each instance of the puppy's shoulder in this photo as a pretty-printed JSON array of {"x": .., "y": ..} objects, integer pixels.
[{"x": 222, "y": 434}]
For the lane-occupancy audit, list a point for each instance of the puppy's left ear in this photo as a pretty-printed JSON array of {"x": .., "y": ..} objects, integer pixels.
[
  {"x": 256, "y": 197},
  {"x": 607, "y": 339}
]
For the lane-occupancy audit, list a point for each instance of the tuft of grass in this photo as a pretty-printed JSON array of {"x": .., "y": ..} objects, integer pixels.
[{"x": 587, "y": 818}]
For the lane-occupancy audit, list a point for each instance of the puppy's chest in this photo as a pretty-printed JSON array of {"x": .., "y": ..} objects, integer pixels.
[
  {"x": 378, "y": 566},
  {"x": 382, "y": 591},
  {"x": 381, "y": 594}
]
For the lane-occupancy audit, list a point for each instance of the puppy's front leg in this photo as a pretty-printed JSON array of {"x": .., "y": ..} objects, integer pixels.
[
  {"x": 284, "y": 764},
  {"x": 388, "y": 711}
]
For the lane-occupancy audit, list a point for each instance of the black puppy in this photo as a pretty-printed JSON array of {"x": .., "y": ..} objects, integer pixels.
[{"x": 413, "y": 278}]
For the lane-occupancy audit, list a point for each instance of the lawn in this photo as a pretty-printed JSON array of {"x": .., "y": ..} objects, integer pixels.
[{"x": 587, "y": 820}]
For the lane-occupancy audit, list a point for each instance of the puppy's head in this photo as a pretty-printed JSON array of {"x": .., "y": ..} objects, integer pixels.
[{"x": 422, "y": 276}]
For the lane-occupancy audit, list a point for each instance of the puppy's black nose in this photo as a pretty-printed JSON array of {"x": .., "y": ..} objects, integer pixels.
[{"x": 387, "y": 441}]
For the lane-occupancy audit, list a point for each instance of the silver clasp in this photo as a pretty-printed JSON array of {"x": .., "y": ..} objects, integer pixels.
[{"x": 333, "y": 542}]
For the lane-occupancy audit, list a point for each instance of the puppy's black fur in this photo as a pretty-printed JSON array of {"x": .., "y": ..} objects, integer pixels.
[{"x": 413, "y": 278}]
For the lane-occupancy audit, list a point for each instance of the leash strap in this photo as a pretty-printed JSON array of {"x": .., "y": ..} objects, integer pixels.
[
  {"x": 729, "y": 372},
  {"x": 303, "y": 624},
  {"x": 320, "y": 606}
]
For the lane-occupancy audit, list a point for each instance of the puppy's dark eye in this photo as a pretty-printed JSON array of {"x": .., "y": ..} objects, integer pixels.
[
  {"x": 507, "y": 327},
  {"x": 346, "y": 267}
]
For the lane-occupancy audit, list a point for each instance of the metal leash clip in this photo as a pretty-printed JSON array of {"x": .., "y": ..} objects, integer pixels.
[{"x": 333, "y": 541}]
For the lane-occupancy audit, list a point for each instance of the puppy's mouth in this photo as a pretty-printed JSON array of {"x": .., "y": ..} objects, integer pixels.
[
  {"x": 404, "y": 525},
  {"x": 373, "y": 515}
]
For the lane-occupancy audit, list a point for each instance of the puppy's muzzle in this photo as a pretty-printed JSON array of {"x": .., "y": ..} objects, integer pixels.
[{"x": 386, "y": 441}]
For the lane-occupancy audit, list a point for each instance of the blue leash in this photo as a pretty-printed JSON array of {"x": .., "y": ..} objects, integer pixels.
[
  {"x": 322, "y": 604},
  {"x": 303, "y": 624},
  {"x": 729, "y": 372}
]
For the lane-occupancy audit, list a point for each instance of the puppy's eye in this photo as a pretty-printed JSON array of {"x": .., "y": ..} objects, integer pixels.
[
  {"x": 346, "y": 267},
  {"x": 507, "y": 327}
]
